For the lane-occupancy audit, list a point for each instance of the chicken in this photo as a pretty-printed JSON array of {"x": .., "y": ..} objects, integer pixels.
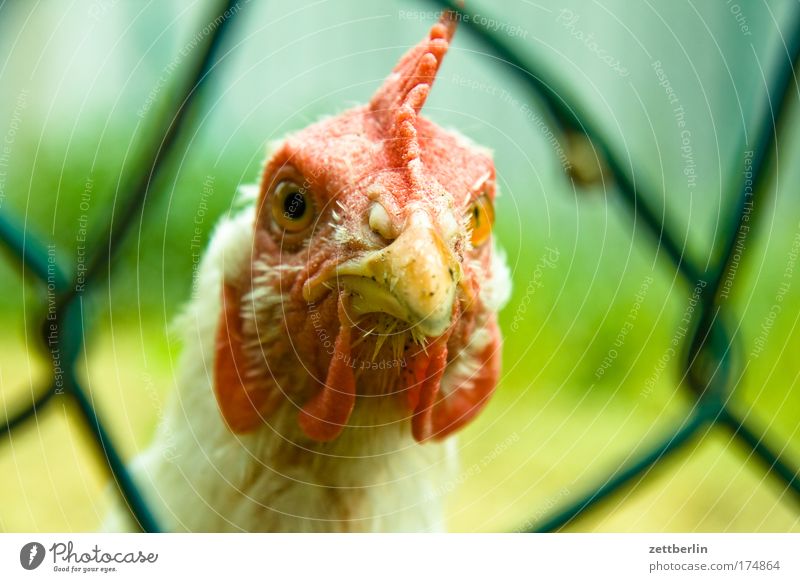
[{"x": 345, "y": 326}]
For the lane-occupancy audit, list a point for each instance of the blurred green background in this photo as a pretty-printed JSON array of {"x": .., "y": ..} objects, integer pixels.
[{"x": 82, "y": 83}]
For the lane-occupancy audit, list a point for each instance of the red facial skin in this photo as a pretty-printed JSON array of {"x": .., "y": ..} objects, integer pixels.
[{"x": 382, "y": 152}]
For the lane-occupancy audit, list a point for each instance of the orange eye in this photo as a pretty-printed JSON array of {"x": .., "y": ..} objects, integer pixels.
[
  {"x": 292, "y": 207},
  {"x": 481, "y": 219}
]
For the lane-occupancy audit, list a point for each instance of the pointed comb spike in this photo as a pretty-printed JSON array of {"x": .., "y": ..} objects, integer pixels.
[{"x": 401, "y": 97}]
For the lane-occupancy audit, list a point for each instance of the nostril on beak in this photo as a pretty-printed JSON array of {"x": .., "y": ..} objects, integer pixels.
[{"x": 380, "y": 223}]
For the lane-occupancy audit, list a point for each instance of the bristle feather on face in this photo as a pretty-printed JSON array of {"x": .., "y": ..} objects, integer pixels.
[{"x": 397, "y": 103}]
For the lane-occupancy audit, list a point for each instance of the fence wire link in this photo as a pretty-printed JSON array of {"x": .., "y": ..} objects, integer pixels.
[{"x": 711, "y": 363}]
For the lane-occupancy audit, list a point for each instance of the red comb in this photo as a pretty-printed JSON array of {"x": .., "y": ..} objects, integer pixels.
[{"x": 398, "y": 101}]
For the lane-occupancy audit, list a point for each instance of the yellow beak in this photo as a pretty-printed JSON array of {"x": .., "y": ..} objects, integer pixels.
[{"x": 413, "y": 279}]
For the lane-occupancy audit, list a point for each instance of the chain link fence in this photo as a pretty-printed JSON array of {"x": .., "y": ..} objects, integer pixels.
[{"x": 711, "y": 363}]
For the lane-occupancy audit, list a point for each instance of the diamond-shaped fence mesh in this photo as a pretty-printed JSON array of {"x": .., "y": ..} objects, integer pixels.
[{"x": 711, "y": 363}]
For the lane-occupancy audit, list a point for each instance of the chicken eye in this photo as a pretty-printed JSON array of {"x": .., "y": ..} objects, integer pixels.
[
  {"x": 292, "y": 207},
  {"x": 481, "y": 219}
]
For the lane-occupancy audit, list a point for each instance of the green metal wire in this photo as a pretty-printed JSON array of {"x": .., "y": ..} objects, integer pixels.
[
  {"x": 29, "y": 253},
  {"x": 568, "y": 116},
  {"x": 626, "y": 475}
]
